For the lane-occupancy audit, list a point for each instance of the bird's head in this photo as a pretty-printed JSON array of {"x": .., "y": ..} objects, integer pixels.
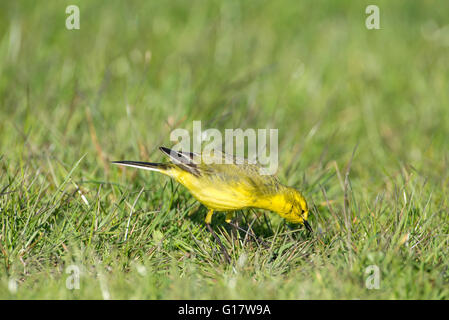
[{"x": 298, "y": 211}]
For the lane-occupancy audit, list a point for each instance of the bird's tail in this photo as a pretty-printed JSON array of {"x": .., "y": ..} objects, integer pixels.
[{"x": 160, "y": 167}]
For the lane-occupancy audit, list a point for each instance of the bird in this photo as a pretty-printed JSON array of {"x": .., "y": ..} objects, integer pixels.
[{"x": 226, "y": 183}]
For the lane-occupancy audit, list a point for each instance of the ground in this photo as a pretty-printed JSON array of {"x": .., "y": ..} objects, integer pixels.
[{"x": 362, "y": 116}]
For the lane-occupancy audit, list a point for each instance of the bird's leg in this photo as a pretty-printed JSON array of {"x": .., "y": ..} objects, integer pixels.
[{"x": 208, "y": 221}]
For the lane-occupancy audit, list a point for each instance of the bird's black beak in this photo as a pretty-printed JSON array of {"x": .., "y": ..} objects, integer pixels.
[{"x": 307, "y": 225}]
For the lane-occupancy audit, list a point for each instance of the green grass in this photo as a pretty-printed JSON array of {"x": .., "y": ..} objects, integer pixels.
[{"x": 71, "y": 101}]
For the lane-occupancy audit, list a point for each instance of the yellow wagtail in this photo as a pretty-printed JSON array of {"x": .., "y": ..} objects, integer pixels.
[{"x": 227, "y": 187}]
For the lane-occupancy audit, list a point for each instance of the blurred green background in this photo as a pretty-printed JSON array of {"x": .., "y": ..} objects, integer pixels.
[{"x": 136, "y": 70}]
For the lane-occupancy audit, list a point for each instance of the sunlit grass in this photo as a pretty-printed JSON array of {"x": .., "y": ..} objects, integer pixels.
[{"x": 71, "y": 101}]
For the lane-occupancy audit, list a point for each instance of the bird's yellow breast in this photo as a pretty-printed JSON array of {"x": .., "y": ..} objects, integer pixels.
[{"x": 217, "y": 195}]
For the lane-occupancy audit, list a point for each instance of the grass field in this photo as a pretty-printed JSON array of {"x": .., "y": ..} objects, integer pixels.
[{"x": 71, "y": 101}]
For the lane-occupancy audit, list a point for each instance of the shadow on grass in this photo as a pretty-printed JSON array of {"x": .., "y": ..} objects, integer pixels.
[{"x": 251, "y": 223}]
